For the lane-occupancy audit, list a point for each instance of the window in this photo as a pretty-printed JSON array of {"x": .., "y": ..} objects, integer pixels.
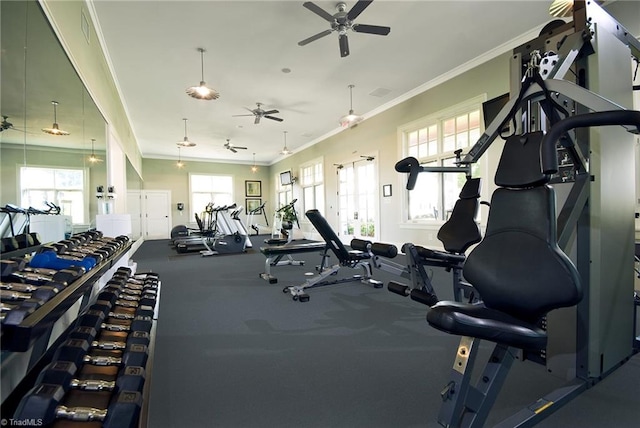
[
  {"x": 205, "y": 189},
  {"x": 433, "y": 141},
  {"x": 63, "y": 187},
  {"x": 312, "y": 183},
  {"x": 284, "y": 193}
]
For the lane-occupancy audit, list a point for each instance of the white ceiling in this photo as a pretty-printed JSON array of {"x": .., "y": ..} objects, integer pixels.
[{"x": 152, "y": 46}]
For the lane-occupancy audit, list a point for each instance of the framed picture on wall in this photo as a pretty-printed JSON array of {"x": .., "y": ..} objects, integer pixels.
[
  {"x": 253, "y": 189},
  {"x": 252, "y": 204},
  {"x": 386, "y": 190}
]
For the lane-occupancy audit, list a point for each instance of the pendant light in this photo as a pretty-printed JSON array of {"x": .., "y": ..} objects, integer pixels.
[
  {"x": 54, "y": 130},
  {"x": 93, "y": 158},
  {"x": 254, "y": 168},
  {"x": 561, "y": 8},
  {"x": 350, "y": 119},
  {"x": 285, "y": 151},
  {"x": 185, "y": 142},
  {"x": 202, "y": 91},
  {"x": 179, "y": 164}
]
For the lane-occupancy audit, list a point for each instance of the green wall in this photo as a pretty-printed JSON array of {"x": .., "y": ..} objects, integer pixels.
[{"x": 162, "y": 174}]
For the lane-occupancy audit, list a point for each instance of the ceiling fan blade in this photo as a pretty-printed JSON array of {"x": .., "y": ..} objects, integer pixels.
[
  {"x": 344, "y": 45},
  {"x": 318, "y": 10},
  {"x": 233, "y": 149},
  {"x": 371, "y": 29},
  {"x": 270, "y": 112},
  {"x": 257, "y": 119},
  {"x": 314, "y": 37},
  {"x": 240, "y": 115},
  {"x": 273, "y": 118},
  {"x": 239, "y": 148},
  {"x": 358, "y": 8}
]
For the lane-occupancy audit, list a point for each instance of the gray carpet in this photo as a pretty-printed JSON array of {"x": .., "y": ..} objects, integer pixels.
[{"x": 234, "y": 351}]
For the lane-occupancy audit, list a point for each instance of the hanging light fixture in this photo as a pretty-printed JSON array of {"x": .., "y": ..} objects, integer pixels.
[
  {"x": 93, "y": 158},
  {"x": 350, "y": 119},
  {"x": 202, "y": 91},
  {"x": 285, "y": 151},
  {"x": 179, "y": 164},
  {"x": 55, "y": 129},
  {"x": 561, "y": 8},
  {"x": 185, "y": 141},
  {"x": 254, "y": 168}
]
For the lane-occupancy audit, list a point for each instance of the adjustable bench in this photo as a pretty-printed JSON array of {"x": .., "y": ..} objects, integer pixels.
[
  {"x": 352, "y": 259},
  {"x": 276, "y": 253}
]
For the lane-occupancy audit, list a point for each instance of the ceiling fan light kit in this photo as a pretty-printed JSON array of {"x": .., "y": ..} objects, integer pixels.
[
  {"x": 55, "y": 129},
  {"x": 202, "y": 91},
  {"x": 343, "y": 21}
]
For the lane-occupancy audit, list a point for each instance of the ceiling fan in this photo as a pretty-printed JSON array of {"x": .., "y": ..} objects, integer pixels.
[
  {"x": 342, "y": 21},
  {"x": 259, "y": 113},
  {"x": 5, "y": 124},
  {"x": 233, "y": 148}
]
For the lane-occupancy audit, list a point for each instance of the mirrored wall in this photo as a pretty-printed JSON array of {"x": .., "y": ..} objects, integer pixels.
[{"x": 42, "y": 91}]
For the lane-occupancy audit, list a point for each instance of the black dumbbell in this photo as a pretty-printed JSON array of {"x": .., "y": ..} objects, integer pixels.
[
  {"x": 89, "y": 334},
  {"x": 38, "y": 292},
  {"x": 43, "y": 404},
  {"x": 77, "y": 352},
  {"x": 64, "y": 373},
  {"x": 20, "y": 311}
]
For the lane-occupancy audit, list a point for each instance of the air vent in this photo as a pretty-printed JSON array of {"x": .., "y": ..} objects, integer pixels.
[{"x": 380, "y": 92}]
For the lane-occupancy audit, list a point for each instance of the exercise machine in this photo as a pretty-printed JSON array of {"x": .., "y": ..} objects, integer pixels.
[
  {"x": 353, "y": 259},
  {"x": 457, "y": 234},
  {"x": 251, "y": 215},
  {"x": 553, "y": 290}
]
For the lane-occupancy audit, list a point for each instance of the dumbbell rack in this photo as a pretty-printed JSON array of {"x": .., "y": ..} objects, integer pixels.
[
  {"x": 28, "y": 346},
  {"x": 115, "y": 333},
  {"x": 19, "y": 338}
]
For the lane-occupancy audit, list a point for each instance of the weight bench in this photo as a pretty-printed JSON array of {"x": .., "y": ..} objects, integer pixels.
[
  {"x": 353, "y": 259},
  {"x": 457, "y": 234},
  {"x": 276, "y": 253},
  {"x": 521, "y": 274}
]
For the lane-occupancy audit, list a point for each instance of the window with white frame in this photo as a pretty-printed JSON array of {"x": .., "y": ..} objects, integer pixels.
[
  {"x": 312, "y": 183},
  {"x": 61, "y": 186},
  {"x": 433, "y": 140},
  {"x": 206, "y": 189}
]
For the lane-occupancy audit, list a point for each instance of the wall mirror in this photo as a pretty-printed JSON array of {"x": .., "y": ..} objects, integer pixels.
[{"x": 35, "y": 72}]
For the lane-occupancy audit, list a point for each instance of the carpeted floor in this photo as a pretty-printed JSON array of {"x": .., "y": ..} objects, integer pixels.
[{"x": 234, "y": 351}]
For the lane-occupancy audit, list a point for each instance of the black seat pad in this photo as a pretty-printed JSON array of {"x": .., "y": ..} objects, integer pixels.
[{"x": 476, "y": 320}]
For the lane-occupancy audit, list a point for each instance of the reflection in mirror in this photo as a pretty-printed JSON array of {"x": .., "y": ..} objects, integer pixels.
[
  {"x": 134, "y": 200},
  {"x": 36, "y": 166}
]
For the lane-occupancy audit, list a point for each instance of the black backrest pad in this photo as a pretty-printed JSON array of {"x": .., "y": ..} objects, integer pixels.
[
  {"x": 461, "y": 230},
  {"x": 518, "y": 267},
  {"x": 327, "y": 233}
]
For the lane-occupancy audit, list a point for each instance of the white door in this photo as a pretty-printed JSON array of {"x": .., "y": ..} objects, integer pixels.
[
  {"x": 358, "y": 201},
  {"x": 134, "y": 208},
  {"x": 156, "y": 210}
]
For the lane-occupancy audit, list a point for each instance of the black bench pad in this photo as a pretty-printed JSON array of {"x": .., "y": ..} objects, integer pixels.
[{"x": 292, "y": 249}]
